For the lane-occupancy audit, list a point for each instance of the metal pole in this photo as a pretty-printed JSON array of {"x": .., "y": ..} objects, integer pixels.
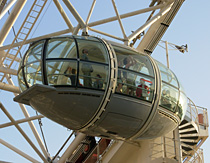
[
  {"x": 103, "y": 21},
  {"x": 3, "y": 53},
  {"x": 90, "y": 12},
  {"x": 106, "y": 34},
  {"x": 11, "y": 20},
  {"x": 22, "y": 132},
  {"x": 149, "y": 23},
  {"x": 8, "y": 71},
  {"x": 72, "y": 147},
  {"x": 119, "y": 19},
  {"x": 18, "y": 151},
  {"x": 164, "y": 146},
  {"x": 10, "y": 88},
  {"x": 177, "y": 145},
  {"x": 21, "y": 121},
  {"x": 167, "y": 58},
  {"x": 63, "y": 14},
  {"x": 6, "y": 8},
  {"x": 75, "y": 13},
  {"x": 35, "y": 39},
  {"x": 31, "y": 124}
]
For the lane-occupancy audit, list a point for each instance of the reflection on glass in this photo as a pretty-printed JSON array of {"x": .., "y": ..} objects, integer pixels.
[
  {"x": 34, "y": 53},
  {"x": 169, "y": 97},
  {"x": 167, "y": 75},
  {"x": 92, "y": 51},
  {"x": 182, "y": 106},
  {"x": 135, "y": 84},
  {"x": 61, "y": 48},
  {"x": 132, "y": 60},
  {"x": 93, "y": 75},
  {"x": 33, "y": 73},
  {"x": 62, "y": 72},
  {"x": 21, "y": 81}
]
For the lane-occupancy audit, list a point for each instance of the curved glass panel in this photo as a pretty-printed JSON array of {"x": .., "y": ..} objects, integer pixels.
[
  {"x": 129, "y": 59},
  {"x": 33, "y": 73},
  {"x": 182, "y": 107},
  {"x": 34, "y": 53},
  {"x": 61, "y": 72},
  {"x": 181, "y": 87},
  {"x": 93, "y": 75},
  {"x": 135, "y": 84},
  {"x": 87, "y": 38},
  {"x": 92, "y": 51},
  {"x": 167, "y": 75},
  {"x": 169, "y": 97},
  {"x": 21, "y": 82},
  {"x": 61, "y": 48}
]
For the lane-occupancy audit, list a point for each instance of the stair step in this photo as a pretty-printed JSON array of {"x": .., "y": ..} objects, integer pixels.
[
  {"x": 183, "y": 122},
  {"x": 189, "y": 140},
  {"x": 187, "y": 149},
  {"x": 190, "y": 143},
  {"x": 186, "y": 130},
  {"x": 189, "y": 132},
  {"x": 189, "y": 137},
  {"x": 186, "y": 126}
]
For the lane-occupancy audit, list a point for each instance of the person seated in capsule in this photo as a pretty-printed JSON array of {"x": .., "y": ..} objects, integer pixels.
[
  {"x": 71, "y": 73},
  {"x": 143, "y": 90},
  {"x": 98, "y": 83},
  {"x": 166, "y": 99},
  {"x": 87, "y": 69}
]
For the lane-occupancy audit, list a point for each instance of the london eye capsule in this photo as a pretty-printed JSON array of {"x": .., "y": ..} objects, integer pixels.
[{"x": 100, "y": 88}]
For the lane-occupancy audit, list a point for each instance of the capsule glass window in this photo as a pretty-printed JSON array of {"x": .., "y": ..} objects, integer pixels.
[
  {"x": 134, "y": 84},
  {"x": 132, "y": 60},
  {"x": 33, "y": 73},
  {"x": 34, "y": 53},
  {"x": 182, "y": 106},
  {"x": 61, "y": 48},
  {"x": 169, "y": 97},
  {"x": 93, "y": 75},
  {"x": 21, "y": 81},
  {"x": 92, "y": 51},
  {"x": 61, "y": 72},
  {"x": 167, "y": 75}
]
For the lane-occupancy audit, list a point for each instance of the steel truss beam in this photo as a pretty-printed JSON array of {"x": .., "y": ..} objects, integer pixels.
[
  {"x": 18, "y": 151},
  {"x": 165, "y": 7},
  {"x": 21, "y": 121}
]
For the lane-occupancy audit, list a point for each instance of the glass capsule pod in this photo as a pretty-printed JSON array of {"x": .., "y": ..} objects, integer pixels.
[{"x": 101, "y": 88}]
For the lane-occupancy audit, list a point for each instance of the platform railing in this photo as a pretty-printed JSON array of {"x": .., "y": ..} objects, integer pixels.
[
  {"x": 192, "y": 112},
  {"x": 165, "y": 148},
  {"x": 196, "y": 158},
  {"x": 203, "y": 116},
  {"x": 197, "y": 114}
]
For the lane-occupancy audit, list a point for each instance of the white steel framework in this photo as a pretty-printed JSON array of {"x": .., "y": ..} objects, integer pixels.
[{"x": 160, "y": 15}]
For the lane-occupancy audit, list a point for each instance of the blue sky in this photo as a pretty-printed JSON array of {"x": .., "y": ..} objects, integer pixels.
[{"x": 190, "y": 26}]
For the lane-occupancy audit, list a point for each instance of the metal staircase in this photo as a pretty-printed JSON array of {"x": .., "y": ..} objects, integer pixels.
[
  {"x": 23, "y": 32},
  {"x": 193, "y": 130}
]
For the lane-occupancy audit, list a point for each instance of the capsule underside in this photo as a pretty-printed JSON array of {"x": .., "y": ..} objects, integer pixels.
[{"x": 100, "y": 88}]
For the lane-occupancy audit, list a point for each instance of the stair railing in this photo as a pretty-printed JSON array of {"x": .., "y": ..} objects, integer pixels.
[
  {"x": 165, "y": 148},
  {"x": 196, "y": 158},
  {"x": 192, "y": 112}
]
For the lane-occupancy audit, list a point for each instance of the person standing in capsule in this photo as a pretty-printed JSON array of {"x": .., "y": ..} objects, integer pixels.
[
  {"x": 87, "y": 69},
  {"x": 143, "y": 90}
]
